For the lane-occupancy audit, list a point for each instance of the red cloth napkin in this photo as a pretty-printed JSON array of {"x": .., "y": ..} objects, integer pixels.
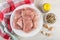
[
  {"x": 8, "y": 7},
  {"x": 4, "y": 35}
]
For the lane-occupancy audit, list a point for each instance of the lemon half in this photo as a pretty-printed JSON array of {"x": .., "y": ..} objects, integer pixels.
[{"x": 46, "y": 7}]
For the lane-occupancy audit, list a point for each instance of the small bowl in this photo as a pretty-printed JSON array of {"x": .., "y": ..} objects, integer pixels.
[
  {"x": 35, "y": 31},
  {"x": 46, "y": 19}
]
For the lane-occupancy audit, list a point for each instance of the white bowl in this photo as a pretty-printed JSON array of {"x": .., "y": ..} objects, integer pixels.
[{"x": 22, "y": 33}]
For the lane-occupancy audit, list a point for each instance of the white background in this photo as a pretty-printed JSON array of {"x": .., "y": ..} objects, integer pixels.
[{"x": 55, "y": 8}]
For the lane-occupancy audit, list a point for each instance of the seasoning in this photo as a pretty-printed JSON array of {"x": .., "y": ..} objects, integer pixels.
[
  {"x": 47, "y": 34},
  {"x": 45, "y": 25},
  {"x": 50, "y": 18},
  {"x": 42, "y": 32},
  {"x": 51, "y": 28}
]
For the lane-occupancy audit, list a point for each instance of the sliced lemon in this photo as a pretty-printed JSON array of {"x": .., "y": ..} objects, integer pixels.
[{"x": 46, "y": 7}]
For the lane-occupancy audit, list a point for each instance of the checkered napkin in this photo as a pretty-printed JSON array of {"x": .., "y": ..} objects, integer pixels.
[{"x": 6, "y": 9}]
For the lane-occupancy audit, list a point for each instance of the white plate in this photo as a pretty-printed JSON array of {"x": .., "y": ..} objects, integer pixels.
[{"x": 32, "y": 33}]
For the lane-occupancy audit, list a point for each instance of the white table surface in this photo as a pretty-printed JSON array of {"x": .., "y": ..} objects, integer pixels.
[{"x": 55, "y": 8}]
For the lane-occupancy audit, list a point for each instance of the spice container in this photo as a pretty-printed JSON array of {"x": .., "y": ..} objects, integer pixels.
[{"x": 50, "y": 18}]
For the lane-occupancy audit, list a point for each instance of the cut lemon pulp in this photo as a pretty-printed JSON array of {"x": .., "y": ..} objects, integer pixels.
[{"x": 46, "y": 7}]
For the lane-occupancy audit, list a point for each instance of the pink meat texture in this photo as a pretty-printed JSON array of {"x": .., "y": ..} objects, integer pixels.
[{"x": 25, "y": 19}]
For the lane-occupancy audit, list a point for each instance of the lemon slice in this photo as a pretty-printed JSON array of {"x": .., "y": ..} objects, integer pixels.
[{"x": 46, "y": 7}]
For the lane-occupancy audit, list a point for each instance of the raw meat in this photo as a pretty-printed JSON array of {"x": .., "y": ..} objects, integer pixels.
[{"x": 25, "y": 19}]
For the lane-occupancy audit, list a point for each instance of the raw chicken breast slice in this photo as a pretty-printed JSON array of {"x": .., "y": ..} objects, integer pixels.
[
  {"x": 35, "y": 21},
  {"x": 18, "y": 14},
  {"x": 16, "y": 26},
  {"x": 27, "y": 25},
  {"x": 15, "y": 23},
  {"x": 28, "y": 13},
  {"x": 19, "y": 22}
]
